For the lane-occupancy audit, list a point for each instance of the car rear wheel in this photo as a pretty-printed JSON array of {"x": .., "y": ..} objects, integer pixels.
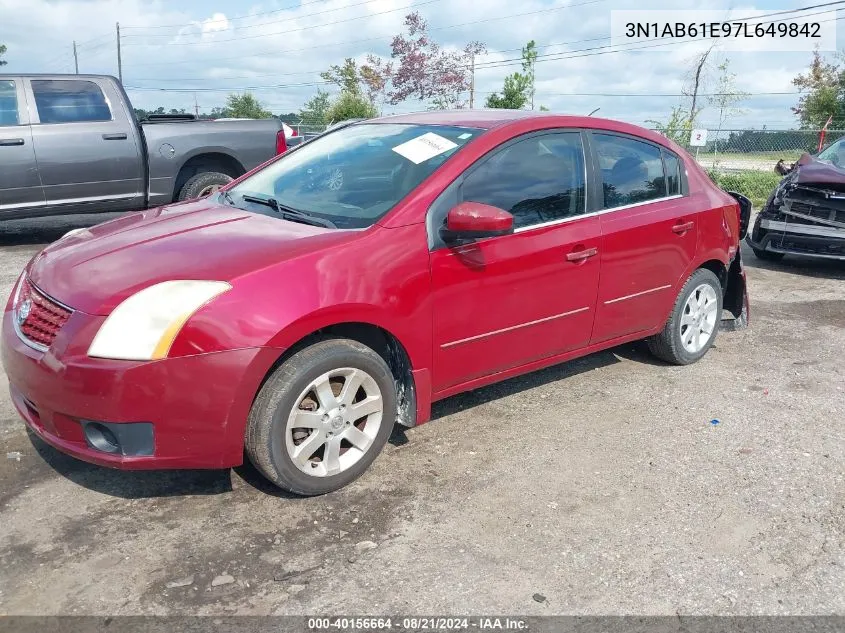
[
  {"x": 694, "y": 322},
  {"x": 203, "y": 184},
  {"x": 322, "y": 417}
]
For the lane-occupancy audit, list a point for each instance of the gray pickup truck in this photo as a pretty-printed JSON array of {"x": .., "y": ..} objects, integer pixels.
[{"x": 72, "y": 144}]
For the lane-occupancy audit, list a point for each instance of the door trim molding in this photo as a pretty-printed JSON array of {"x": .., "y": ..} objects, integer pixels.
[
  {"x": 637, "y": 294},
  {"x": 512, "y": 327}
]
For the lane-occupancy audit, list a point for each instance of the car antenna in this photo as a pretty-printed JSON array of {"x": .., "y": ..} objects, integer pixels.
[{"x": 594, "y": 111}]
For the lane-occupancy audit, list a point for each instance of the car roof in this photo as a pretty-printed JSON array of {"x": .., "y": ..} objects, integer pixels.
[{"x": 491, "y": 118}]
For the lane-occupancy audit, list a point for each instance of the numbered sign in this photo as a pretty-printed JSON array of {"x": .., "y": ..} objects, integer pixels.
[{"x": 698, "y": 138}]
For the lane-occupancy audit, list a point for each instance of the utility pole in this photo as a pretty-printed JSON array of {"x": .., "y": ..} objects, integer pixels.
[
  {"x": 119, "y": 63},
  {"x": 75, "y": 58},
  {"x": 472, "y": 82},
  {"x": 196, "y": 106}
]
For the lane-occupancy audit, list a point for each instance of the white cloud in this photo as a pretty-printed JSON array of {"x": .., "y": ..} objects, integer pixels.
[{"x": 222, "y": 44}]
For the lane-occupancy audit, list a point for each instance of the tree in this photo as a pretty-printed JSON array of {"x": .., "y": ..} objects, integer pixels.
[
  {"x": 823, "y": 93},
  {"x": 426, "y": 72},
  {"x": 315, "y": 110},
  {"x": 245, "y": 106},
  {"x": 726, "y": 99},
  {"x": 677, "y": 128},
  {"x": 529, "y": 60},
  {"x": 514, "y": 94},
  {"x": 350, "y": 106},
  {"x": 346, "y": 77},
  {"x": 696, "y": 82},
  {"x": 519, "y": 87},
  {"x": 2, "y": 52}
]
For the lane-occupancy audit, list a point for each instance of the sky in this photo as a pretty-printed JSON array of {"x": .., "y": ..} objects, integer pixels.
[{"x": 182, "y": 53}]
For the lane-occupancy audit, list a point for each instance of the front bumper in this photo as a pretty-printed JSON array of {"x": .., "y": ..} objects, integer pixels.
[
  {"x": 197, "y": 405},
  {"x": 788, "y": 238}
]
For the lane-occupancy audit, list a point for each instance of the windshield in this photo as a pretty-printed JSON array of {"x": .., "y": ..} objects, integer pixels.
[
  {"x": 354, "y": 175},
  {"x": 834, "y": 154}
]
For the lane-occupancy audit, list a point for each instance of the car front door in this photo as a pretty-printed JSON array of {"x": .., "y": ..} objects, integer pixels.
[
  {"x": 649, "y": 234},
  {"x": 86, "y": 146},
  {"x": 20, "y": 188},
  {"x": 506, "y": 301}
]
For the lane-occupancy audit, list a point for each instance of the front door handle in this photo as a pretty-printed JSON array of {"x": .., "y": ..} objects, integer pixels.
[
  {"x": 6, "y": 142},
  {"x": 121, "y": 136},
  {"x": 683, "y": 227},
  {"x": 579, "y": 256}
]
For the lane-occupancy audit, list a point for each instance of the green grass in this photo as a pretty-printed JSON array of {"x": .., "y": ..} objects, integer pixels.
[{"x": 757, "y": 186}]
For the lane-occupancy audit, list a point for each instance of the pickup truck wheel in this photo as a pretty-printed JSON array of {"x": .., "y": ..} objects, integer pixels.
[
  {"x": 322, "y": 417},
  {"x": 694, "y": 322},
  {"x": 203, "y": 184}
]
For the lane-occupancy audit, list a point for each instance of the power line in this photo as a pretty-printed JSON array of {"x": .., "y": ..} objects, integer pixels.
[
  {"x": 303, "y": 28},
  {"x": 237, "y": 17},
  {"x": 451, "y": 26},
  {"x": 251, "y": 26}
]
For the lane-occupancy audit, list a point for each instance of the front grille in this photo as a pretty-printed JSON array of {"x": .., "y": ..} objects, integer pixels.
[
  {"x": 823, "y": 213},
  {"x": 38, "y": 317}
]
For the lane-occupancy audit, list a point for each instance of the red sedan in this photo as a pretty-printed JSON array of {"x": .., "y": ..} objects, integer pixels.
[{"x": 346, "y": 285}]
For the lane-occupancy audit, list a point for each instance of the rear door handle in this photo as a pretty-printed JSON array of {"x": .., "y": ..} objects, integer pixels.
[
  {"x": 683, "y": 227},
  {"x": 115, "y": 137},
  {"x": 578, "y": 256},
  {"x": 5, "y": 142}
]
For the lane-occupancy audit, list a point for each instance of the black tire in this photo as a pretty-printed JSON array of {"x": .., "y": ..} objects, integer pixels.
[
  {"x": 667, "y": 345},
  {"x": 196, "y": 184},
  {"x": 767, "y": 256},
  {"x": 266, "y": 428}
]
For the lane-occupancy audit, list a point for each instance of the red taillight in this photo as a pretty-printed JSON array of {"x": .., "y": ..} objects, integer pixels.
[{"x": 281, "y": 142}]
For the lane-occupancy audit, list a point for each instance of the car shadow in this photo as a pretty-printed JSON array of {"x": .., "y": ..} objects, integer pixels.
[
  {"x": 45, "y": 230},
  {"x": 133, "y": 484},
  {"x": 176, "y": 483},
  {"x": 635, "y": 352},
  {"x": 806, "y": 266}
]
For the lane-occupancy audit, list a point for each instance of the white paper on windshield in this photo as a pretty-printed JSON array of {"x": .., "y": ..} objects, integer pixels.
[{"x": 420, "y": 149}]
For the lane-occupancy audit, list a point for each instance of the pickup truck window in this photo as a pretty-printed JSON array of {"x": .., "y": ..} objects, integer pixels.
[
  {"x": 354, "y": 175},
  {"x": 8, "y": 103},
  {"x": 69, "y": 101}
]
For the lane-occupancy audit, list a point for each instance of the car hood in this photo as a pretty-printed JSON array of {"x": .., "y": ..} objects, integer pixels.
[
  {"x": 811, "y": 171},
  {"x": 94, "y": 269}
]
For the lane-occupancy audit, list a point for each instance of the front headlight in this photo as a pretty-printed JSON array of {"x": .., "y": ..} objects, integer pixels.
[{"x": 144, "y": 326}]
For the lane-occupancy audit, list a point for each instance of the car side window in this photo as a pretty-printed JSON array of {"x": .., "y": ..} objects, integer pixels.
[
  {"x": 69, "y": 101},
  {"x": 672, "y": 165},
  {"x": 631, "y": 170},
  {"x": 537, "y": 179},
  {"x": 8, "y": 103}
]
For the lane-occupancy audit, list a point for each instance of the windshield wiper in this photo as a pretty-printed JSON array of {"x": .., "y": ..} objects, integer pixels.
[{"x": 289, "y": 213}]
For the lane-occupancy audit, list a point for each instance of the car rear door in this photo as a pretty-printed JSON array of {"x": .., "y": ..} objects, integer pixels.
[
  {"x": 506, "y": 301},
  {"x": 20, "y": 188},
  {"x": 86, "y": 145},
  {"x": 649, "y": 233}
]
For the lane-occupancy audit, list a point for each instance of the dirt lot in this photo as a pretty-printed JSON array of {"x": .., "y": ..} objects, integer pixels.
[{"x": 600, "y": 485}]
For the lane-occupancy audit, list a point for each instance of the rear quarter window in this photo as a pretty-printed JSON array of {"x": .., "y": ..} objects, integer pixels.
[{"x": 69, "y": 101}]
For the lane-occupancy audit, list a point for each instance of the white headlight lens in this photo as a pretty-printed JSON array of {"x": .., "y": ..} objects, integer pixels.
[{"x": 144, "y": 326}]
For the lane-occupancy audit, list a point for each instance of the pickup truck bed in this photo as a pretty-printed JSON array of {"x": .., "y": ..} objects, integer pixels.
[{"x": 72, "y": 144}]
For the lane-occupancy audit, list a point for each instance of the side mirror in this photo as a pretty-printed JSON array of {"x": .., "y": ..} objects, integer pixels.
[{"x": 472, "y": 220}]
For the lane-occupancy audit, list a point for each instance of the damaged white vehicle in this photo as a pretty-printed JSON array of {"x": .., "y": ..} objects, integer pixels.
[{"x": 805, "y": 215}]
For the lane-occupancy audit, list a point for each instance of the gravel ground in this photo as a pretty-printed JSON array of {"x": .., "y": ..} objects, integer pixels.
[{"x": 601, "y": 485}]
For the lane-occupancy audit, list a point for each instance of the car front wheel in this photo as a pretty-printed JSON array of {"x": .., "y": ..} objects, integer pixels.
[
  {"x": 694, "y": 322},
  {"x": 322, "y": 417}
]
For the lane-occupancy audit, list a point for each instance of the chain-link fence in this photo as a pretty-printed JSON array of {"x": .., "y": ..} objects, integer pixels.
[{"x": 744, "y": 160}]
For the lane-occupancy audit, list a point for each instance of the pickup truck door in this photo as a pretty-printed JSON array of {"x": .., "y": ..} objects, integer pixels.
[
  {"x": 20, "y": 188},
  {"x": 89, "y": 153}
]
